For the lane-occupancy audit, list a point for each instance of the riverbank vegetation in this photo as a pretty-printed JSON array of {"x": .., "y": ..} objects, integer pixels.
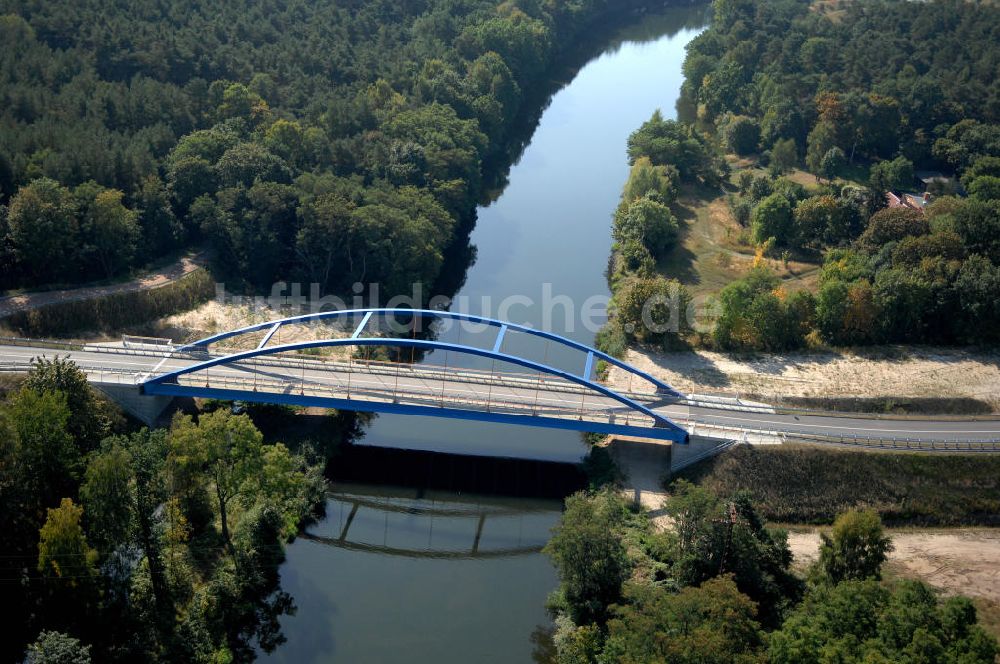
[
  {"x": 716, "y": 586},
  {"x": 133, "y": 544},
  {"x": 306, "y": 142},
  {"x": 116, "y": 311},
  {"x": 803, "y": 484},
  {"x": 781, "y": 87}
]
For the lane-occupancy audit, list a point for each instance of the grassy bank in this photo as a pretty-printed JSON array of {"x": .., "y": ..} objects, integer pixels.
[
  {"x": 713, "y": 250},
  {"x": 113, "y": 312},
  {"x": 794, "y": 484},
  {"x": 904, "y": 405}
]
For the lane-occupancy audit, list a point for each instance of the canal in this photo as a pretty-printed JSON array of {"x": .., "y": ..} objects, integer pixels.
[{"x": 392, "y": 574}]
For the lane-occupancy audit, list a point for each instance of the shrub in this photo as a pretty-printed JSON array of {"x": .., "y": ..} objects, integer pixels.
[
  {"x": 892, "y": 225},
  {"x": 741, "y": 134},
  {"x": 115, "y": 311},
  {"x": 757, "y": 315},
  {"x": 653, "y": 309},
  {"x": 800, "y": 484},
  {"x": 772, "y": 218},
  {"x": 648, "y": 221}
]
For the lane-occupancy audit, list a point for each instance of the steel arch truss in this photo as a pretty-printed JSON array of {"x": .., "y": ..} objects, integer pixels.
[{"x": 662, "y": 427}]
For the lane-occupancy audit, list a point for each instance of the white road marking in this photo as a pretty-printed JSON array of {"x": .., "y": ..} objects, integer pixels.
[{"x": 427, "y": 384}]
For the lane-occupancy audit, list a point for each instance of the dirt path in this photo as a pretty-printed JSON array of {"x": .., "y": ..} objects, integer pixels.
[
  {"x": 965, "y": 562},
  {"x": 26, "y": 301}
]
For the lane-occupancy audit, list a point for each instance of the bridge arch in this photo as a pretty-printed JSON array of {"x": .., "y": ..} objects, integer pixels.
[
  {"x": 273, "y": 326},
  {"x": 168, "y": 383}
]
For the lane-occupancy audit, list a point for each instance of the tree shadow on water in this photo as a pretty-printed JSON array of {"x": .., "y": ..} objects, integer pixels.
[{"x": 543, "y": 643}]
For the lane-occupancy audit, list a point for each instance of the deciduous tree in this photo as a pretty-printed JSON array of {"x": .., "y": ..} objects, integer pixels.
[
  {"x": 588, "y": 552},
  {"x": 772, "y": 218},
  {"x": 225, "y": 446},
  {"x": 855, "y": 549},
  {"x": 712, "y": 623},
  {"x": 43, "y": 229}
]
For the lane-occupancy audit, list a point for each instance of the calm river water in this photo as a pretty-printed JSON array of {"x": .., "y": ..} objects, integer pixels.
[{"x": 395, "y": 575}]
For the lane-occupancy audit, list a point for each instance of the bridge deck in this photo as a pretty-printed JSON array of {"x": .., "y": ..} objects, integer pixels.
[{"x": 309, "y": 380}]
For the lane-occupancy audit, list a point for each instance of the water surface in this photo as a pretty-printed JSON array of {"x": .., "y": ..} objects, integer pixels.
[
  {"x": 543, "y": 245},
  {"x": 442, "y": 578}
]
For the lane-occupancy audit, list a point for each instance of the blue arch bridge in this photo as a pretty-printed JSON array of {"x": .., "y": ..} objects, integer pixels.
[{"x": 326, "y": 361}]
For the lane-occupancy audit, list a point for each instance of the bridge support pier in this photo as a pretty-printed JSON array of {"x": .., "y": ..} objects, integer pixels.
[
  {"x": 646, "y": 465},
  {"x": 143, "y": 407}
]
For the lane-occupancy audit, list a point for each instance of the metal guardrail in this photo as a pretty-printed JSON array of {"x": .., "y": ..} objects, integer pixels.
[
  {"x": 502, "y": 405},
  {"x": 75, "y": 346},
  {"x": 598, "y": 413},
  {"x": 784, "y": 434},
  {"x": 697, "y": 425},
  {"x": 146, "y": 341},
  {"x": 40, "y": 343}
]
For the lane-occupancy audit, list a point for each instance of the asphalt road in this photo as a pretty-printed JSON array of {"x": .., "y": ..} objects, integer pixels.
[{"x": 507, "y": 393}]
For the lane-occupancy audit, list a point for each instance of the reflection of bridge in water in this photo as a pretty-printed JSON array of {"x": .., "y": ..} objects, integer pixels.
[{"x": 431, "y": 528}]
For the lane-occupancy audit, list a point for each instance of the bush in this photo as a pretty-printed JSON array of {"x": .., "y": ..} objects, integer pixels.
[
  {"x": 855, "y": 549},
  {"x": 864, "y": 621},
  {"x": 645, "y": 179},
  {"x": 772, "y": 218},
  {"x": 800, "y": 484},
  {"x": 116, "y": 311},
  {"x": 653, "y": 310},
  {"x": 891, "y": 175},
  {"x": 646, "y": 220},
  {"x": 611, "y": 339},
  {"x": 846, "y": 314},
  {"x": 758, "y": 315},
  {"x": 784, "y": 156},
  {"x": 741, "y": 134},
  {"x": 742, "y": 209},
  {"x": 832, "y": 163}
]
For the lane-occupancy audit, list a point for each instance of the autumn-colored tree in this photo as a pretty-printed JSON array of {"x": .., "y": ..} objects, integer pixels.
[{"x": 63, "y": 552}]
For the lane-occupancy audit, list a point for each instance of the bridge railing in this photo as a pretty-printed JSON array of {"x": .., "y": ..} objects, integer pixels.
[
  {"x": 41, "y": 343},
  {"x": 102, "y": 375},
  {"x": 525, "y": 381},
  {"x": 856, "y": 440},
  {"x": 596, "y": 411}
]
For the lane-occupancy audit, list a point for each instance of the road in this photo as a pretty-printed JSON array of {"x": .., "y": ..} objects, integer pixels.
[{"x": 508, "y": 393}]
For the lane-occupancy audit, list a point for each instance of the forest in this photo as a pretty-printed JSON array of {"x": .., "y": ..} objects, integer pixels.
[
  {"x": 125, "y": 544},
  {"x": 863, "y": 96},
  {"x": 325, "y": 142},
  {"x": 299, "y": 141},
  {"x": 718, "y": 588}
]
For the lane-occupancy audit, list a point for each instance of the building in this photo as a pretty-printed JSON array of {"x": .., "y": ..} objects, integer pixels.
[{"x": 912, "y": 201}]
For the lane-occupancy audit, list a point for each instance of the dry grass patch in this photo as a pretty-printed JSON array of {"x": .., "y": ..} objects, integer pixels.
[
  {"x": 811, "y": 485},
  {"x": 712, "y": 250},
  {"x": 955, "y": 561},
  {"x": 892, "y": 374},
  {"x": 214, "y": 316}
]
